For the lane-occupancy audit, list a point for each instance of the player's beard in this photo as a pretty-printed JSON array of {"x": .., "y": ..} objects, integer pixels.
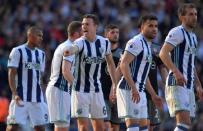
[{"x": 114, "y": 41}]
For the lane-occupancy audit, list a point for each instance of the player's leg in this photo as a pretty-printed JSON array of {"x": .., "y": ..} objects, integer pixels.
[
  {"x": 107, "y": 123},
  {"x": 80, "y": 108},
  {"x": 38, "y": 115},
  {"x": 177, "y": 98},
  {"x": 143, "y": 112},
  {"x": 115, "y": 121},
  {"x": 153, "y": 116},
  {"x": 17, "y": 116},
  {"x": 97, "y": 111},
  {"x": 59, "y": 108}
]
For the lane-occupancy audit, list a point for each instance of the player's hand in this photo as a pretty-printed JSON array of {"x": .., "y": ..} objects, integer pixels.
[
  {"x": 112, "y": 95},
  {"x": 199, "y": 91},
  {"x": 180, "y": 79},
  {"x": 135, "y": 95},
  {"x": 158, "y": 101},
  {"x": 18, "y": 100}
]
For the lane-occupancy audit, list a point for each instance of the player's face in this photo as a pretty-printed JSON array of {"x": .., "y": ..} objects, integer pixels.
[
  {"x": 113, "y": 35},
  {"x": 36, "y": 38},
  {"x": 88, "y": 27},
  {"x": 190, "y": 18},
  {"x": 150, "y": 29}
]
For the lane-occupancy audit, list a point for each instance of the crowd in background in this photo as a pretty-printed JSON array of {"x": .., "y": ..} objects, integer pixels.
[{"x": 54, "y": 15}]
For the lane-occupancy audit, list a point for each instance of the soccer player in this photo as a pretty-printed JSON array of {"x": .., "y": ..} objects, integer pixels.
[
  {"x": 157, "y": 64},
  {"x": 112, "y": 121},
  {"x": 135, "y": 65},
  {"x": 25, "y": 67},
  {"x": 58, "y": 90},
  {"x": 178, "y": 54},
  {"x": 87, "y": 98}
]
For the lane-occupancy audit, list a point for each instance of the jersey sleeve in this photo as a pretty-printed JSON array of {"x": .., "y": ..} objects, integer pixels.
[
  {"x": 69, "y": 58},
  {"x": 174, "y": 37},
  {"x": 79, "y": 44},
  {"x": 134, "y": 47},
  {"x": 108, "y": 47},
  {"x": 43, "y": 61},
  {"x": 14, "y": 58}
]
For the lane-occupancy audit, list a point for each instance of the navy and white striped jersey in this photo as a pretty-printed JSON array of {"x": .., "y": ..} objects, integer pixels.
[
  {"x": 88, "y": 63},
  {"x": 30, "y": 64},
  {"x": 140, "y": 66},
  {"x": 183, "y": 55},
  {"x": 57, "y": 79}
]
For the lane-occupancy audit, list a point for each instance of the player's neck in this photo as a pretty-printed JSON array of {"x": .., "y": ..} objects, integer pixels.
[
  {"x": 114, "y": 46},
  {"x": 91, "y": 38},
  {"x": 30, "y": 45},
  {"x": 188, "y": 29}
]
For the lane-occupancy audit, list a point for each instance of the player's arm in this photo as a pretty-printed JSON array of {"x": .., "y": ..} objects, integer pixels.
[
  {"x": 163, "y": 73},
  {"x": 166, "y": 59},
  {"x": 125, "y": 69},
  {"x": 155, "y": 98},
  {"x": 70, "y": 50},
  {"x": 198, "y": 86},
  {"x": 12, "y": 72},
  {"x": 66, "y": 71}
]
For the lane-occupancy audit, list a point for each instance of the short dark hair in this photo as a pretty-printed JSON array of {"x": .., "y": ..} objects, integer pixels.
[
  {"x": 110, "y": 27},
  {"x": 145, "y": 18},
  {"x": 33, "y": 29},
  {"x": 93, "y": 17},
  {"x": 74, "y": 26},
  {"x": 183, "y": 7}
]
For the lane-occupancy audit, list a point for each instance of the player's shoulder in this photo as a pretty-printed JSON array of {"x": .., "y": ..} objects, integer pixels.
[
  {"x": 136, "y": 40},
  {"x": 81, "y": 39},
  {"x": 20, "y": 47},
  {"x": 176, "y": 30}
]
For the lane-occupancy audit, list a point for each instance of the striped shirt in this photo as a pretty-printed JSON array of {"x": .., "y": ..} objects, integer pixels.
[
  {"x": 140, "y": 66},
  {"x": 57, "y": 79},
  {"x": 183, "y": 55},
  {"x": 30, "y": 64},
  {"x": 88, "y": 63}
]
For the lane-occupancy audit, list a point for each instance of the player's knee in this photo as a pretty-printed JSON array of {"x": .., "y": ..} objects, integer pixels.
[{"x": 83, "y": 127}]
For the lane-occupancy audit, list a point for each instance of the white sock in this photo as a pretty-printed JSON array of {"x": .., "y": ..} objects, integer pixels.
[{"x": 182, "y": 127}]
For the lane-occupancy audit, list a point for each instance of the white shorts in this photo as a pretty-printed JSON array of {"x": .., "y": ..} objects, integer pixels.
[
  {"x": 35, "y": 112},
  {"x": 58, "y": 105},
  {"x": 180, "y": 98},
  {"x": 127, "y": 108},
  {"x": 88, "y": 105}
]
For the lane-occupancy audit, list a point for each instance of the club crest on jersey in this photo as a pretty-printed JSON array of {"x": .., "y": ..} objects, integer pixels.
[
  {"x": 148, "y": 59},
  {"x": 93, "y": 60},
  {"x": 79, "y": 111},
  {"x": 101, "y": 50},
  {"x": 30, "y": 65}
]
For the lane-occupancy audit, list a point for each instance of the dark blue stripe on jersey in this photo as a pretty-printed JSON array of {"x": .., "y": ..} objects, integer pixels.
[
  {"x": 107, "y": 43},
  {"x": 138, "y": 63},
  {"x": 146, "y": 68},
  {"x": 38, "y": 73},
  {"x": 77, "y": 87},
  {"x": 87, "y": 68},
  {"x": 97, "y": 45},
  {"x": 189, "y": 68},
  {"x": 181, "y": 53},
  {"x": 171, "y": 80},
  {"x": 20, "y": 76},
  {"x": 61, "y": 83},
  {"x": 30, "y": 75}
]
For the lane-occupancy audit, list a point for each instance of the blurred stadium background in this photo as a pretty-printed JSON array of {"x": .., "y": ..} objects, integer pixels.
[{"x": 54, "y": 15}]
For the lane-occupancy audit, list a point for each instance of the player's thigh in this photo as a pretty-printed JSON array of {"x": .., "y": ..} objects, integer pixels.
[
  {"x": 58, "y": 105},
  {"x": 38, "y": 113},
  {"x": 114, "y": 115},
  {"x": 153, "y": 113},
  {"x": 80, "y": 104},
  {"x": 97, "y": 106},
  {"x": 17, "y": 114},
  {"x": 108, "y": 109},
  {"x": 193, "y": 107},
  {"x": 177, "y": 99}
]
